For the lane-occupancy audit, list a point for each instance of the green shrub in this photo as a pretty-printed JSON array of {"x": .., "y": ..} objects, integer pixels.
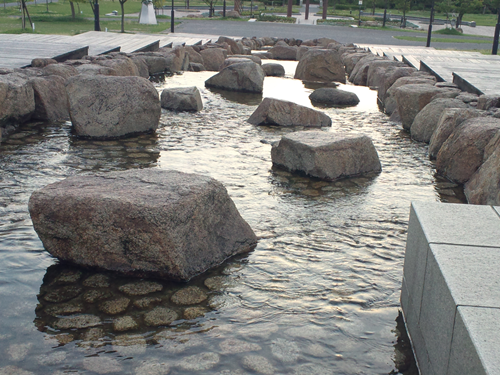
[
  {"x": 271, "y": 18},
  {"x": 448, "y": 32}
]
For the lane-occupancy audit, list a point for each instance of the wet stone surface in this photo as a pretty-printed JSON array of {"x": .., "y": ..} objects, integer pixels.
[
  {"x": 189, "y": 296},
  {"x": 141, "y": 288}
]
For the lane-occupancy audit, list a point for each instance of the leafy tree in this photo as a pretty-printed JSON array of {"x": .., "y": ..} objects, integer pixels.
[
  {"x": 403, "y": 6},
  {"x": 466, "y": 6},
  {"x": 211, "y": 6},
  {"x": 72, "y": 5},
  {"x": 447, "y": 7}
]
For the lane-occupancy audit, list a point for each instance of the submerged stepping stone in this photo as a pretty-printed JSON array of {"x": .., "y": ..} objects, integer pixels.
[
  {"x": 328, "y": 156},
  {"x": 142, "y": 222},
  {"x": 284, "y": 113}
]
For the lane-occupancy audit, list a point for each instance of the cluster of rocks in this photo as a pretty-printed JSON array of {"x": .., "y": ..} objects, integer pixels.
[{"x": 462, "y": 129}]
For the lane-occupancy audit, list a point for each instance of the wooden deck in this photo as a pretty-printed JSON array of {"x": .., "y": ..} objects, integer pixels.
[
  {"x": 17, "y": 50},
  {"x": 471, "y": 71}
]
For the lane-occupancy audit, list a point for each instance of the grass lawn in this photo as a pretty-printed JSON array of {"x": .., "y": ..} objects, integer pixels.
[{"x": 444, "y": 40}]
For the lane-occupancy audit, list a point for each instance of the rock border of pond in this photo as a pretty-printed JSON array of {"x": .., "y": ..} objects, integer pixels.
[{"x": 403, "y": 92}]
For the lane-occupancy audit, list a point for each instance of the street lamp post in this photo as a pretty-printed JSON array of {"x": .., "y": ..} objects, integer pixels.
[
  {"x": 224, "y": 10},
  {"x": 494, "y": 50},
  {"x": 307, "y": 9},
  {"x": 429, "y": 31},
  {"x": 172, "y": 18},
  {"x": 359, "y": 19},
  {"x": 251, "y": 9},
  {"x": 97, "y": 27}
]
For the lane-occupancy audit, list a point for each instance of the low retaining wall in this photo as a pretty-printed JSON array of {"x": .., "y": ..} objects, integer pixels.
[{"x": 451, "y": 288}]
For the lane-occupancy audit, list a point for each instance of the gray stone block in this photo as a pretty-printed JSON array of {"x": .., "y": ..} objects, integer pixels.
[
  {"x": 417, "y": 340},
  {"x": 415, "y": 259},
  {"x": 458, "y": 224},
  {"x": 455, "y": 276},
  {"x": 476, "y": 343}
]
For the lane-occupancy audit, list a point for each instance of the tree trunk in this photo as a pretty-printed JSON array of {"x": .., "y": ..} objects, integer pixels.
[
  {"x": 459, "y": 20},
  {"x": 123, "y": 15},
  {"x": 72, "y": 10},
  {"x": 325, "y": 9},
  {"x": 373, "y": 8},
  {"x": 237, "y": 6}
]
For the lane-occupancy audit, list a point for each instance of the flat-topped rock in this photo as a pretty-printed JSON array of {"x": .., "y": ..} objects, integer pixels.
[
  {"x": 273, "y": 70},
  {"x": 145, "y": 222},
  {"x": 284, "y": 113},
  {"x": 182, "y": 99},
  {"x": 243, "y": 76},
  {"x": 109, "y": 107},
  {"x": 324, "y": 155}
]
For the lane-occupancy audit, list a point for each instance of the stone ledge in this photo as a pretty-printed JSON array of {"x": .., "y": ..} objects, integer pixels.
[{"x": 451, "y": 288}]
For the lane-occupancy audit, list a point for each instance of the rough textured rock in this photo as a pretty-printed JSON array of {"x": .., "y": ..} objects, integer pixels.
[
  {"x": 177, "y": 59},
  {"x": 190, "y": 295},
  {"x": 486, "y": 102},
  {"x": 142, "y": 222},
  {"x": 124, "y": 323},
  {"x": 390, "y": 104},
  {"x": 377, "y": 69},
  {"x": 274, "y": 70},
  {"x": 102, "y": 365},
  {"x": 463, "y": 152},
  {"x": 42, "y": 62},
  {"x": 284, "y": 113},
  {"x": 142, "y": 67},
  {"x": 235, "y": 49},
  {"x": 194, "y": 55},
  {"x": 77, "y": 321},
  {"x": 51, "y": 99},
  {"x": 449, "y": 120},
  {"x": 194, "y": 312},
  {"x": 17, "y": 101},
  {"x": 233, "y": 346},
  {"x": 160, "y": 316},
  {"x": 255, "y": 59},
  {"x": 234, "y": 60},
  {"x": 360, "y": 71},
  {"x": 325, "y": 155},
  {"x": 155, "y": 62},
  {"x": 484, "y": 185},
  {"x": 63, "y": 70},
  {"x": 320, "y": 66},
  {"x": 213, "y": 58},
  {"x": 283, "y": 52},
  {"x": 246, "y": 77},
  {"x": 195, "y": 67},
  {"x": 97, "y": 281},
  {"x": 199, "y": 362},
  {"x": 107, "y": 107},
  {"x": 388, "y": 78},
  {"x": 412, "y": 98},
  {"x": 115, "y": 306},
  {"x": 426, "y": 121},
  {"x": 333, "y": 96},
  {"x": 182, "y": 99},
  {"x": 258, "y": 364},
  {"x": 96, "y": 69},
  {"x": 122, "y": 65},
  {"x": 351, "y": 59}
]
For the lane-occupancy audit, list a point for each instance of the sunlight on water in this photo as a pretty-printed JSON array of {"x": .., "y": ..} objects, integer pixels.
[{"x": 319, "y": 294}]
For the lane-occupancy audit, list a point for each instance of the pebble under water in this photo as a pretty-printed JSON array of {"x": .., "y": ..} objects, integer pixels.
[{"x": 318, "y": 295}]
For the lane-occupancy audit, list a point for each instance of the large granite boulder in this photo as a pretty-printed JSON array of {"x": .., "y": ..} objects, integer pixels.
[
  {"x": 351, "y": 59},
  {"x": 283, "y": 52},
  {"x": 484, "y": 185},
  {"x": 51, "y": 99},
  {"x": 194, "y": 54},
  {"x": 245, "y": 76},
  {"x": 142, "y": 67},
  {"x": 156, "y": 62},
  {"x": 122, "y": 65},
  {"x": 486, "y": 102},
  {"x": 234, "y": 60},
  {"x": 177, "y": 59},
  {"x": 273, "y": 70},
  {"x": 109, "y": 107},
  {"x": 325, "y": 155},
  {"x": 450, "y": 119},
  {"x": 333, "y": 96},
  {"x": 319, "y": 65},
  {"x": 359, "y": 73},
  {"x": 377, "y": 69},
  {"x": 463, "y": 152},
  {"x": 95, "y": 69},
  {"x": 213, "y": 58},
  {"x": 63, "y": 70},
  {"x": 284, "y": 113},
  {"x": 142, "y": 222},
  {"x": 412, "y": 98},
  {"x": 255, "y": 59},
  {"x": 389, "y": 101},
  {"x": 426, "y": 121},
  {"x": 17, "y": 100},
  {"x": 182, "y": 99},
  {"x": 235, "y": 48},
  {"x": 388, "y": 78}
]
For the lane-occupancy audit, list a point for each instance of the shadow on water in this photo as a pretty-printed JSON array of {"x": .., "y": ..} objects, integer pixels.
[{"x": 247, "y": 98}]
